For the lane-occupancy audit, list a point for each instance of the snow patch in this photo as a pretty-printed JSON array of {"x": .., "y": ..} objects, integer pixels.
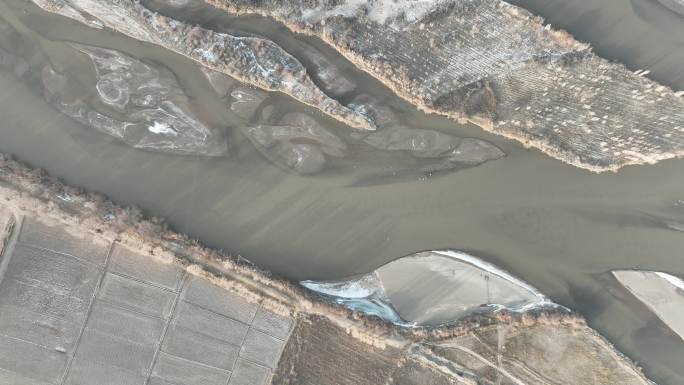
[
  {"x": 161, "y": 128},
  {"x": 364, "y": 294},
  {"x": 379, "y": 11},
  {"x": 674, "y": 281},
  {"x": 361, "y": 287},
  {"x": 367, "y": 293}
]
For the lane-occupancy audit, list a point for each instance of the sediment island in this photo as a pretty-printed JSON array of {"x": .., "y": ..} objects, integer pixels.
[{"x": 483, "y": 61}]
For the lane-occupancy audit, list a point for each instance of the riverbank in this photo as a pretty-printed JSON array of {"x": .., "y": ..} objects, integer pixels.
[
  {"x": 595, "y": 120},
  {"x": 384, "y": 350}
]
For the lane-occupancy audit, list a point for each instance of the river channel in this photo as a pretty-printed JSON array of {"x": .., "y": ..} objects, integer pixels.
[{"x": 558, "y": 227}]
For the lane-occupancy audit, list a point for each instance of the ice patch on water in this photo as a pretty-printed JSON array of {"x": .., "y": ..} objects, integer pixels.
[
  {"x": 364, "y": 294},
  {"x": 161, "y": 128},
  {"x": 662, "y": 294},
  {"x": 298, "y": 143},
  {"x": 206, "y": 55},
  {"x": 246, "y": 101},
  {"x": 362, "y": 287},
  {"x": 674, "y": 281},
  {"x": 153, "y": 111},
  {"x": 368, "y": 293},
  {"x": 492, "y": 269}
]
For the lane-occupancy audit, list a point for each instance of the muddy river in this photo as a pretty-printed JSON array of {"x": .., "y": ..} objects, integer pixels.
[{"x": 558, "y": 227}]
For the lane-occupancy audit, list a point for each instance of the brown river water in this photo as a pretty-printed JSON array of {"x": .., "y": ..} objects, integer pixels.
[{"x": 559, "y": 228}]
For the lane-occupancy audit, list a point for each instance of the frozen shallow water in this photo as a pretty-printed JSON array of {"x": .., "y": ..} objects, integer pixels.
[
  {"x": 433, "y": 288},
  {"x": 151, "y": 109}
]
